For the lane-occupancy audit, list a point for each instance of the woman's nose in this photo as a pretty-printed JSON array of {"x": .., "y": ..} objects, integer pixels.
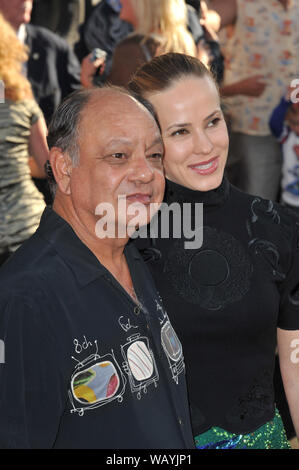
[{"x": 202, "y": 143}]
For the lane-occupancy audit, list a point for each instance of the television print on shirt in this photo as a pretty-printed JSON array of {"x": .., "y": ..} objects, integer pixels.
[
  {"x": 95, "y": 382},
  {"x": 139, "y": 364},
  {"x": 173, "y": 350}
]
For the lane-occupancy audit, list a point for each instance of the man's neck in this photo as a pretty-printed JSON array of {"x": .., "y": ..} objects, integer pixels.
[{"x": 109, "y": 251}]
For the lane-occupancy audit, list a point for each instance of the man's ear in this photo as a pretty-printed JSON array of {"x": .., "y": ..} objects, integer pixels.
[{"x": 61, "y": 165}]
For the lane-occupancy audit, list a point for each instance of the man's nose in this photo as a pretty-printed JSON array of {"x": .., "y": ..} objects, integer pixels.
[{"x": 141, "y": 170}]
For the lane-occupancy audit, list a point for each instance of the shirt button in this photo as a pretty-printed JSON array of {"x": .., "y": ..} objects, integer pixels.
[
  {"x": 180, "y": 422},
  {"x": 136, "y": 310}
]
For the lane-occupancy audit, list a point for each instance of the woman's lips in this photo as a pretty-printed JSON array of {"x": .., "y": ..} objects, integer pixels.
[{"x": 206, "y": 168}]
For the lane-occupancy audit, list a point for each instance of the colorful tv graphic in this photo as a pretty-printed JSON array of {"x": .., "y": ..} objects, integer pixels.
[{"x": 96, "y": 381}]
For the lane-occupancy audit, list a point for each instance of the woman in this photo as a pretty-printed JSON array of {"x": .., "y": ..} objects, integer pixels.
[
  {"x": 160, "y": 26},
  {"x": 22, "y": 133},
  {"x": 231, "y": 298}
]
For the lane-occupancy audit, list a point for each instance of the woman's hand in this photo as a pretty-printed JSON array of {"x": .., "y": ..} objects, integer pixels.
[
  {"x": 89, "y": 69},
  {"x": 210, "y": 20}
]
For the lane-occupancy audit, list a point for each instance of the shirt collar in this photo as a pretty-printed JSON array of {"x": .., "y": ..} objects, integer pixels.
[
  {"x": 79, "y": 258},
  {"x": 213, "y": 198},
  {"x": 115, "y": 5}
]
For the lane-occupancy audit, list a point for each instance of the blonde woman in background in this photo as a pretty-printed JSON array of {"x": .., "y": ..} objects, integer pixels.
[
  {"x": 166, "y": 19},
  {"x": 160, "y": 26},
  {"x": 22, "y": 133}
]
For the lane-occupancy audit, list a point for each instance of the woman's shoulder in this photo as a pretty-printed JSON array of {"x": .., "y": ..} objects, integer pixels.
[
  {"x": 270, "y": 226},
  {"x": 261, "y": 208},
  {"x": 28, "y": 109}
]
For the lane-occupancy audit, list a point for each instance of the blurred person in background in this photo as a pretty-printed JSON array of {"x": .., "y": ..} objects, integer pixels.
[
  {"x": 261, "y": 56},
  {"x": 284, "y": 124},
  {"x": 52, "y": 67},
  {"x": 22, "y": 132},
  {"x": 159, "y": 26},
  {"x": 104, "y": 29}
]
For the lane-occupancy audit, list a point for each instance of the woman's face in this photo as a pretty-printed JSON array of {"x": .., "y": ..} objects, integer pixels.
[
  {"x": 194, "y": 132},
  {"x": 128, "y": 13}
]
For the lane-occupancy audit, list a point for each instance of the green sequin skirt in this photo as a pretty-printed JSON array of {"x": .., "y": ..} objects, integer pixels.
[{"x": 269, "y": 436}]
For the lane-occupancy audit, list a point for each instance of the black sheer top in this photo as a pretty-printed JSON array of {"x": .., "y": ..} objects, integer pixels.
[{"x": 226, "y": 300}]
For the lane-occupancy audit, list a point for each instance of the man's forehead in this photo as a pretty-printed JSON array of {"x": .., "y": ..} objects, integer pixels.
[
  {"x": 108, "y": 102},
  {"x": 118, "y": 111}
]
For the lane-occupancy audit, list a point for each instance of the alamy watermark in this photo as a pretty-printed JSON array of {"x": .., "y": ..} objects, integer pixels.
[
  {"x": 166, "y": 220},
  {"x": 2, "y": 92},
  {"x": 295, "y": 353},
  {"x": 294, "y": 96},
  {"x": 2, "y": 351}
]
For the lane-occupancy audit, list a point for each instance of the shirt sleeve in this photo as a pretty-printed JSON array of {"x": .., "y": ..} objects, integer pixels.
[
  {"x": 276, "y": 122},
  {"x": 31, "y": 396},
  {"x": 194, "y": 25},
  {"x": 289, "y": 304},
  {"x": 33, "y": 111},
  {"x": 68, "y": 71}
]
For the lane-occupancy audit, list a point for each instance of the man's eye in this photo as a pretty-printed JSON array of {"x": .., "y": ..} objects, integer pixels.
[
  {"x": 118, "y": 155},
  {"x": 156, "y": 155}
]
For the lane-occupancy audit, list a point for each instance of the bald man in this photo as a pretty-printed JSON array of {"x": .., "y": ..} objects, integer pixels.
[{"x": 91, "y": 358}]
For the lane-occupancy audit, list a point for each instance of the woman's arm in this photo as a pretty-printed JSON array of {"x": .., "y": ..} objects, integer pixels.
[
  {"x": 210, "y": 20},
  {"x": 288, "y": 350},
  {"x": 251, "y": 86},
  {"x": 277, "y": 118},
  {"x": 38, "y": 147}
]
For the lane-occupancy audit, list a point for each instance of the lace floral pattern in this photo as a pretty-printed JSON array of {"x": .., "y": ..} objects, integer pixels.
[{"x": 255, "y": 403}]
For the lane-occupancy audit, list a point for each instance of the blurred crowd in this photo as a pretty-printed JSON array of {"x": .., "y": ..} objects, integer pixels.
[{"x": 251, "y": 47}]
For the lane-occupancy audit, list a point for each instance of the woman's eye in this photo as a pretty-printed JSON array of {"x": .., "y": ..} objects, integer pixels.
[
  {"x": 179, "y": 132},
  {"x": 214, "y": 122}
]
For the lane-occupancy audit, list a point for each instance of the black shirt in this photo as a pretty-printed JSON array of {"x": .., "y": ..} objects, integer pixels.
[
  {"x": 85, "y": 367},
  {"x": 53, "y": 70},
  {"x": 226, "y": 300}
]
